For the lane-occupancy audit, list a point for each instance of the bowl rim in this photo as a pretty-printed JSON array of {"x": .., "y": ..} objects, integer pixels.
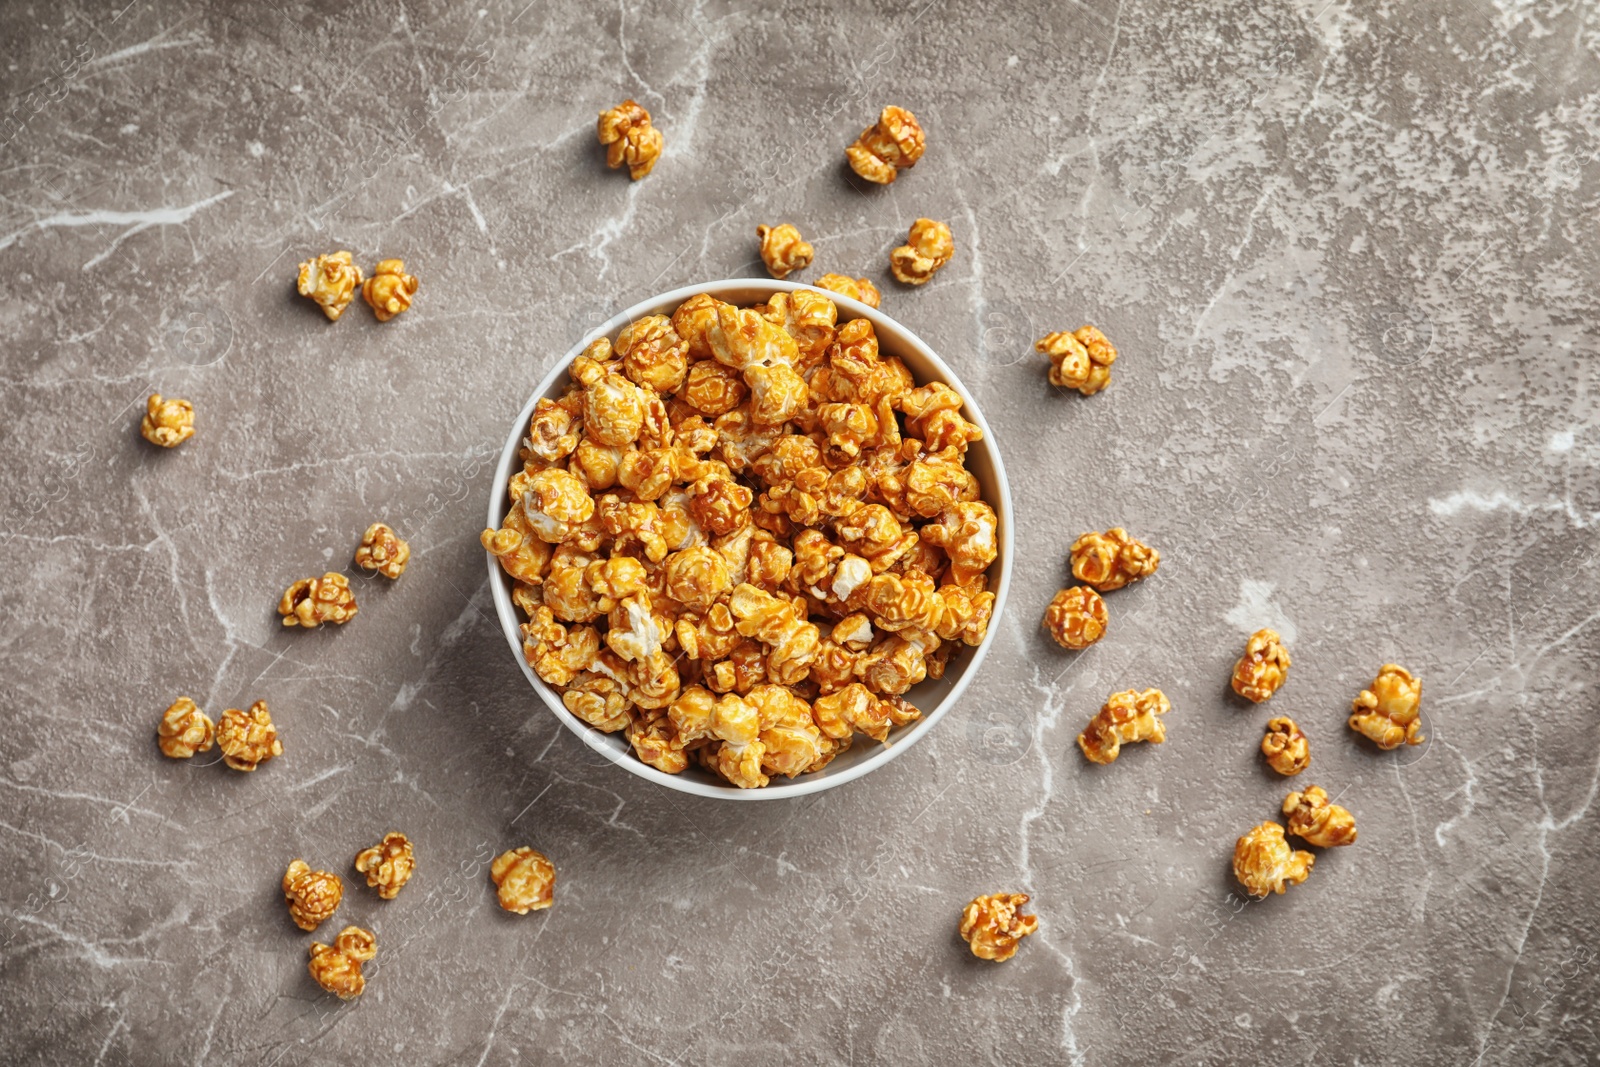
[{"x": 778, "y": 789}]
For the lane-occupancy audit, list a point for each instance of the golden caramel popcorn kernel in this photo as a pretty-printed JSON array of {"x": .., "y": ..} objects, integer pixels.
[
  {"x": 1111, "y": 560},
  {"x": 1076, "y": 618},
  {"x": 1079, "y": 360},
  {"x": 1319, "y": 821},
  {"x": 855, "y": 288},
  {"x": 993, "y": 926},
  {"x": 928, "y": 247},
  {"x": 168, "y": 423},
  {"x": 388, "y": 865},
  {"x": 310, "y": 602},
  {"x": 783, "y": 250},
  {"x": 890, "y": 145},
  {"x": 382, "y": 551},
  {"x": 337, "y": 968},
  {"x": 248, "y": 738},
  {"x": 390, "y": 289},
  {"x": 331, "y": 281},
  {"x": 1262, "y": 668},
  {"x": 313, "y": 896},
  {"x": 1127, "y": 716},
  {"x": 1286, "y": 748},
  {"x": 1388, "y": 713},
  {"x": 1264, "y": 863},
  {"x": 525, "y": 880},
  {"x": 184, "y": 730},
  {"x": 629, "y": 138}
]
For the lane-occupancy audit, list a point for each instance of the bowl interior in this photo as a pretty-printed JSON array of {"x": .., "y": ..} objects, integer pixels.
[{"x": 934, "y": 698}]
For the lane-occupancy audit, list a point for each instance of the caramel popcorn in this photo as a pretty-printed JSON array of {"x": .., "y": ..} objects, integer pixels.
[
  {"x": 525, "y": 879},
  {"x": 313, "y": 896},
  {"x": 390, "y": 289},
  {"x": 629, "y": 138},
  {"x": 168, "y": 423},
  {"x": 1127, "y": 716},
  {"x": 388, "y": 865},
  {"x": 382, "y": 551},
  {"x": 890, "y": 145},
  {"x": 337, "y": 969},
  {"x": 1319, "y": 821},
  {"x": 742, "y": 535},
  {"x": 1264, "y": 863},
  {"x": 331, "y": 281},
  {"x": 928, "y": 247},
  {"x": 184, "y": 730},
  {"x": 1387, "y": 714},
  {"x": 1076, "y": 617},
  {"x": 855, "y": 288},
  {"x": 1286, "y": 748},
  {"x": 310, "y": 602},
  {"x": 248, "y": 738},
  {"x": 1079, "y": 360},
  {"x": 994, "y": 925},
  {"x": 1113, "y": 559},
  {"x": 783, "y": 250},
  {"x": 1262, "y": 668}
]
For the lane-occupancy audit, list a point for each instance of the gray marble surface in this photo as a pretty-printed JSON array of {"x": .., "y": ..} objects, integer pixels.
[{"x": 1347, "y": 252}]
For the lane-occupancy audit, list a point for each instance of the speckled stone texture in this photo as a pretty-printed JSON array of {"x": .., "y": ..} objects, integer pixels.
[{"x": 1347, "y": 251}]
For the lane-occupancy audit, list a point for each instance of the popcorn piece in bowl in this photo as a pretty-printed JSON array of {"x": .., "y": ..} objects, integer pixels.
[
  {"x": 1262, "y": 668},
  {"x": 783, "y": 250},
  {"x": 890, "y": 145},
  {"x": 248, "y": 738},
  {"x": 168, "y": 423},
  {"x": 313, "y": 896},
  {"x": 337, "y": 968},
  {"x": 1126, "y": 717},
  {"x": 524, "y": 880},
  {"x": 310, "y": 602},
  {"x": 993, "y": 925},
  {"x": 331, "y": 281},
  {"x": 1318, "y": 820},
  {"x": 1079, "y": 360},
  {"x": 390, "y": 289},
  {"x": 1388, "y": 713},
  {"x": 383, "y": 552},
  {"x": 388, "y": 865},
  {"x": 928, "y": 248},
  {"x": 630, "y": 138},
  {"x": 1264, "y": 863},
  {"x": 855, "y": 288},
  {"x": 1111, "y": 560},
  {"x": 184, "y": 730},
  {"x": 1076, "y": 617},
  {"x": 1286, "y": 748}
]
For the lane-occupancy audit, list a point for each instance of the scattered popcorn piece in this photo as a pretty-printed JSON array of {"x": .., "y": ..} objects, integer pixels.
[
  {"x": 1286, "y": 748},
  {"x": 1264, "y": 863},
  {"x": 1076, "y": 618},
  {"x": 337, "y": 969},
  {"x": 331, "y": 281},
  {"x": 1387, "y": 714},
  {"x": 390, "y": 289},
  {"x": 928, "y": 248},
  {"x": 1262, "y": 668},
  {"x": 248, "y": 738},
  {"x": 388, "y": 865},
  {"x": 994, "y": 925},
  {"x": 382, "y": 551},
  {"x": 525, "y": 879},
  {"x": 783, "y": 250},
  {"x": 890, "y": 145},
  {"x": 1318, "y": 820},
  {"x": 168, "y": 423},
  {"x": 1127, "y": 716},
  {"x": 855, "y": 288},
  {"x": 184, "y": 730},
  {"x": 313, "y": 896},
  {"x": 629, "y": 138},
  {"x": 1111, "y": 560},
  {"x": 310, "y": 602},
  {"x": 1079, "y": 360}
]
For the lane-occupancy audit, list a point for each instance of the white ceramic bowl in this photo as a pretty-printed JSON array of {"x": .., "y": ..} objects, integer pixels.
[{"x": 934, "y": 698}]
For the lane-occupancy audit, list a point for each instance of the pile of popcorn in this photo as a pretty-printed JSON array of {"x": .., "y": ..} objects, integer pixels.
[{"x": 742, "y": 535}]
